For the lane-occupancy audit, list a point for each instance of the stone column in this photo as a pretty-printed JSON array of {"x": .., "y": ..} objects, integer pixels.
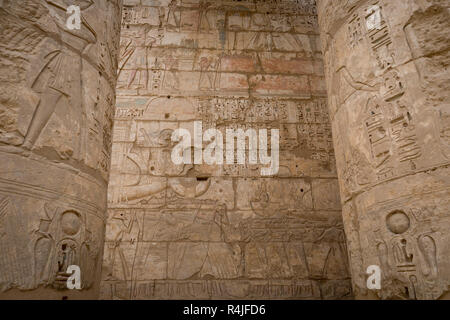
[
  {"x": 57, "y": 92},
  {"x": 387, "y": 76}
]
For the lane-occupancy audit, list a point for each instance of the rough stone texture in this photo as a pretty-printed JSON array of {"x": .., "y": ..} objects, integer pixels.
[
  {"x": 56, "y": 103},
  {"x": 388, "y": 92},
  {"x": 222, "y": 231}
]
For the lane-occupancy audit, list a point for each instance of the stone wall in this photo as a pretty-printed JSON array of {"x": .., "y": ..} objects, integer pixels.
[
  {"x": 222, "y": 231},
  {"x": 56, "y": 114},
  {"x": 194, "y": 231},
  {"x": 388, "y": 80}
]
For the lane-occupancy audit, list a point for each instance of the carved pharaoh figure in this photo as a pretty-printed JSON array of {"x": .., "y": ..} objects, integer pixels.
[{"x": 54, "y": 79}]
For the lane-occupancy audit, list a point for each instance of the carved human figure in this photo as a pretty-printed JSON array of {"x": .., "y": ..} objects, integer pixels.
[
  {"x": 336, "y": 256},
  {"x": 204, "y": 23},
  {"x": 54, "y": 79},
  {"x": 208, "y": 73},
  {"x": 181, "y": 179},
  {"x": 127, "y": 224},
  {"x": 134, "y": 57},
  {"x": 171, "y": 80},
  {"x": 173, "y": 15},
  {"x": 217, "y": 260}
]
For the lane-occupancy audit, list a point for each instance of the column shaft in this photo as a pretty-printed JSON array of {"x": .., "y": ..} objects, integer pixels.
[
  {"x": 57, "y": 92},
  {"x": 386, "y": 65}
]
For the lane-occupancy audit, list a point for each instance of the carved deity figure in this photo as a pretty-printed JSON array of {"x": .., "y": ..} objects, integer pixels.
[
  {"x": 134, "y": 55},
  {"x": 128, "y": 223}
]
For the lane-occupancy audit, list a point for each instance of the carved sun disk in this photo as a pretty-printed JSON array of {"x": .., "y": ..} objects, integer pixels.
[{"x": 397, "y": 222}]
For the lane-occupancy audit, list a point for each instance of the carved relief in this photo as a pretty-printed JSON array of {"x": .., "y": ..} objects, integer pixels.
[
  {"x": 56, "y": 104},
  {"x": 389, "y": 120},
  {"x": 220, "y": 231},
  {"x": 408, "y": 256},
  {"x": 385, "y": 76},
  {"x": 62, "y": 237},
  {"x": 355, "y": 30},
  {"x": 63, "y": 240}
]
